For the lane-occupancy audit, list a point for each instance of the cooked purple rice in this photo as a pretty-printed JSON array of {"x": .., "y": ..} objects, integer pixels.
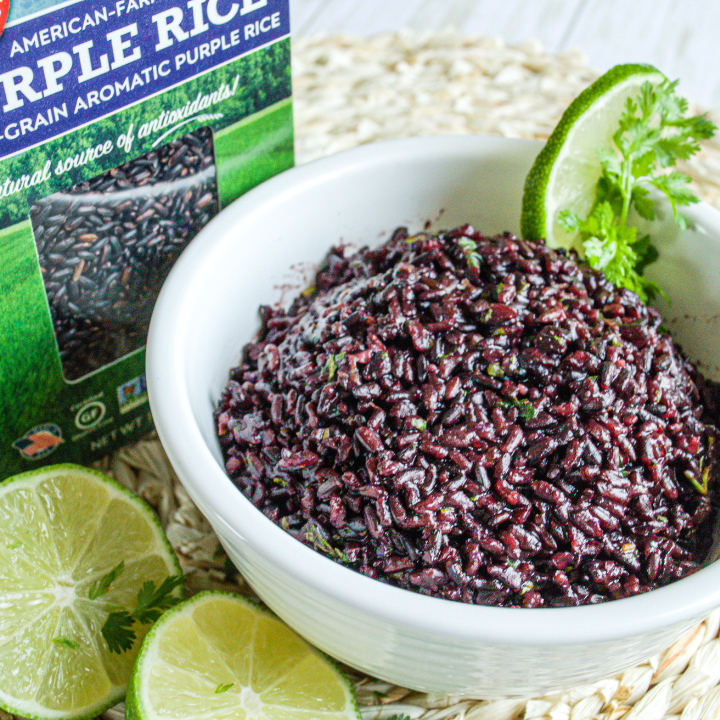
[{"x": 479, "y": 419}]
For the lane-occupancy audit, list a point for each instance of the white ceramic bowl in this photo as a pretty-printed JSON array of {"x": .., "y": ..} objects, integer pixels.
[{"x": 251, "y": 254}]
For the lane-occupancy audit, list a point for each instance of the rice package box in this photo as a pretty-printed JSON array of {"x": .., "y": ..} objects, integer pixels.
[{"x": 125, "y": 126}]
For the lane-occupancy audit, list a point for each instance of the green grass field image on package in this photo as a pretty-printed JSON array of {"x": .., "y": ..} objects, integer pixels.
[{"x": 254, "y": 150}]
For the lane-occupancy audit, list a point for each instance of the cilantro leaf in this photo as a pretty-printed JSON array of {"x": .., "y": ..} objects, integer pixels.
[
  {"x": 615, "y": 249},
  {"x": 331, "y": 365},
  {"x": 527, "y": 410},
  {"x": 118, "y": 632},
  {"x": 316, "y": 536},
  {"x": 643, "y": 203},
  {"x": 653, "y": 134},
  {"x": 101, "y": 587},
  {"x": 152, "y": 601}
]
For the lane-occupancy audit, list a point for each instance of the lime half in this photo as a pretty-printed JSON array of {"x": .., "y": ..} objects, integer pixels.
[
  {"x": 62, "y": 530},
  {"x": 565, "y": 173},
  {"x": 221, "y": 656}
]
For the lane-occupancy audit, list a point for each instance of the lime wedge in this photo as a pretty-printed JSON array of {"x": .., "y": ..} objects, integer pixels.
[
  {"x": 221, "y": 656},
  {"x": 63, "y": 529},
  {"x": 565, "y": 173}
]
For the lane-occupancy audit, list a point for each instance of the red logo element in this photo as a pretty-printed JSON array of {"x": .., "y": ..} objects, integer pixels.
[{"x": 4, "y": 10}]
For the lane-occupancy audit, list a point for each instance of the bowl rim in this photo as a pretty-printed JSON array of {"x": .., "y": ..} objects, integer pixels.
[{"x": 681, "y": 602}]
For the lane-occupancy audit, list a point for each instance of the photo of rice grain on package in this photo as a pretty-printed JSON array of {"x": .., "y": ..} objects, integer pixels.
[{"x": 106, "y": 245}]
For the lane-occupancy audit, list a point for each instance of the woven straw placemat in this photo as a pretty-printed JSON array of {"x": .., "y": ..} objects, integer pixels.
[{"x": 349, "y": 91}]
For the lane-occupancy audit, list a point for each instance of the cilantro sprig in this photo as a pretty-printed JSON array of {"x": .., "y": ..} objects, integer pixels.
[
  {"x": 152, "y": 601},
  {"x": 652, "y": 135},
  {"x": 101, "y": 586}
]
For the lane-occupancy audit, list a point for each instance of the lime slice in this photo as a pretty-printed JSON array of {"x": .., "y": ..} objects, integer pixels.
[
  {"x": 565, "y": 173},
  {"x": 221, "y": 656},
  {"x": 62, "y": 529}
]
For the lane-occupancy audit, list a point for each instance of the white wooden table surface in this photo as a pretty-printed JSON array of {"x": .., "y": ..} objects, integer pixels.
[{"x": 679, "y": 37}]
